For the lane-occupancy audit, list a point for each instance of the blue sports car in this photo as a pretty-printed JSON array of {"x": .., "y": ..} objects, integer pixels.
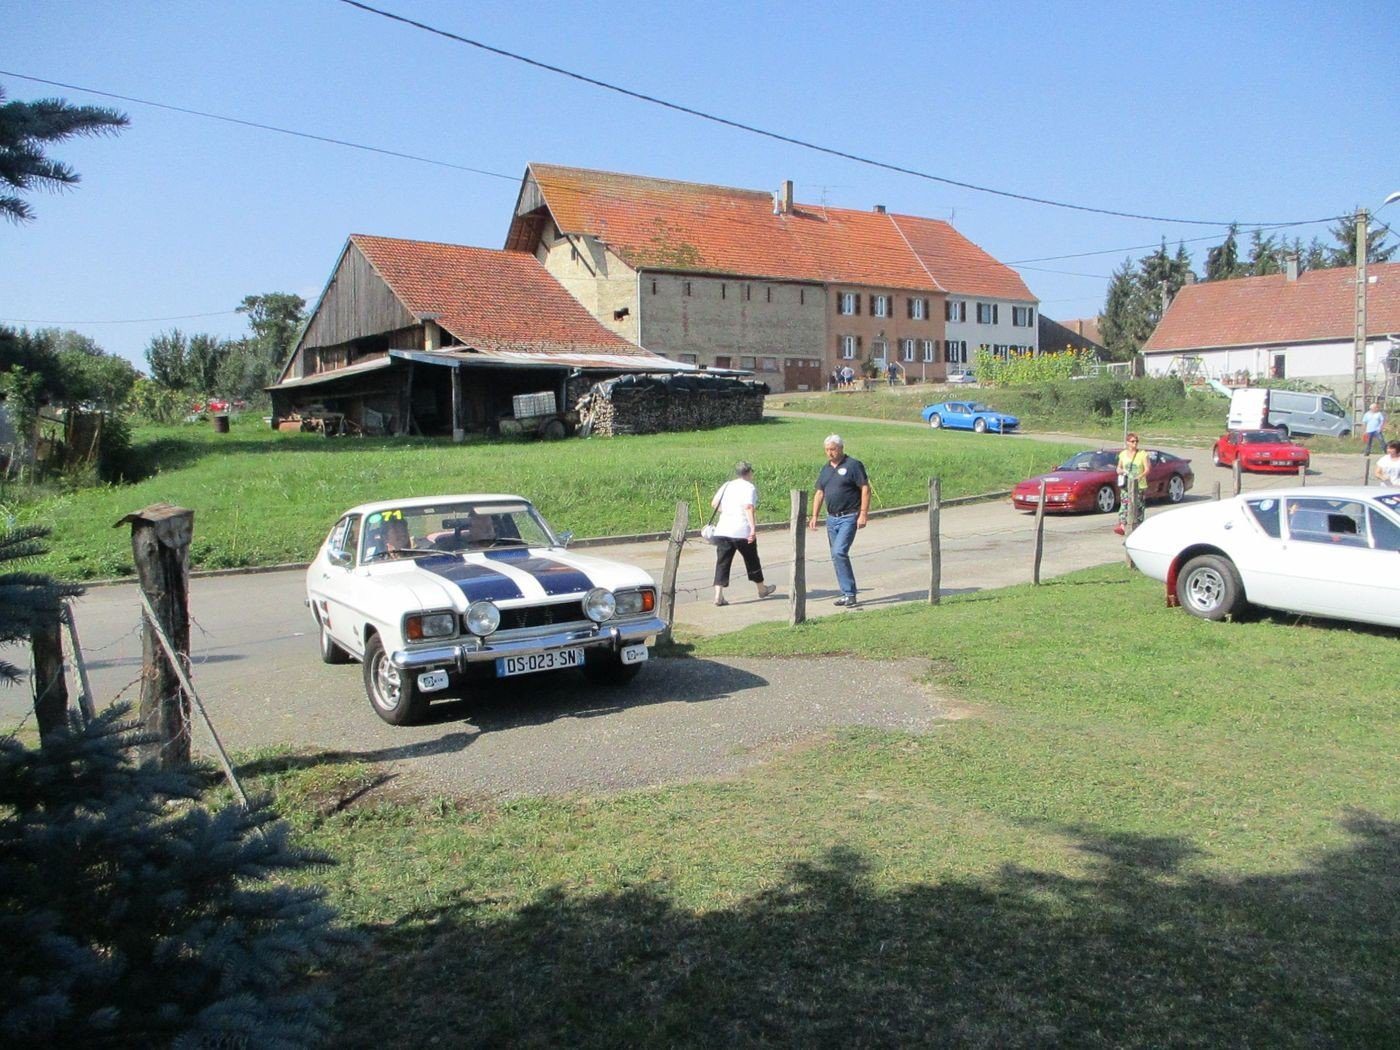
[{"x": 968, "y": 415}]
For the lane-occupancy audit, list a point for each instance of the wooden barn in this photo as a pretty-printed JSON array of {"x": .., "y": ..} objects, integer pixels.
[{"x": 415, "y": 337}]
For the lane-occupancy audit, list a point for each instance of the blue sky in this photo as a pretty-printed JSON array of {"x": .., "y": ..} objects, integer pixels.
[{"x": 1192, "y": 110}]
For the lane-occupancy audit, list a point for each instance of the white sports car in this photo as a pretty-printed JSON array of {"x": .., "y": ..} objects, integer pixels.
[
  {"x": 1325, "y": 551},
  {"x": 427, "y": 591}
]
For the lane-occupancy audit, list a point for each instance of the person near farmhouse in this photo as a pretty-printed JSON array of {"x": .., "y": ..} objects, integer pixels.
[
  {"x": 1132, "y": 467},
  {"x": 1387, "y": 470},
  {"x": 848, "y": 377},
  {"x": 1373, "y": 425},
  {"x": 844, "y": 487},
  {"x": 892, "y": 372},
  {"x": 736, "y": 529}
]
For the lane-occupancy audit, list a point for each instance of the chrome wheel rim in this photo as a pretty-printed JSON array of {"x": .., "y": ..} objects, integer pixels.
[
  {"x": 1106, "y": 500},
  {"x": 1176, "y": 488},
  {"x": 1205, "y": 589},
  {"x": 388, "y": 689}
]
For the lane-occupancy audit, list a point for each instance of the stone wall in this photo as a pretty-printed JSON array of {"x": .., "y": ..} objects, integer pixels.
[{"x": 651, "y": 405}]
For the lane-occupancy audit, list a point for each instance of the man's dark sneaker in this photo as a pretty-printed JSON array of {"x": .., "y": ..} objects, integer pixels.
[{"x": 847, "y": 601}]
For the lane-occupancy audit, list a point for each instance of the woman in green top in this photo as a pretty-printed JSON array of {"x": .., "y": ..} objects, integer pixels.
[{"x": 1132, "y": 480}]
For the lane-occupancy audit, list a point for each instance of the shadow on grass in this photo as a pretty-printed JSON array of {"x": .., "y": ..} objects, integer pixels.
[{"x": 1137, "y": 952}]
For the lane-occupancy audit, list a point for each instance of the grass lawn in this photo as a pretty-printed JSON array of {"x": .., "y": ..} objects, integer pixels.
[
  {"x": 262, "y": 498},
  {"x": 1148, "y": 830}
]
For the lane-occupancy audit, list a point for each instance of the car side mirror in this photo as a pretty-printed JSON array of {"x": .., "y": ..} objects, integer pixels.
[
  {"x": 566, "y": 537},
  {"x": 340, "y": 558}
]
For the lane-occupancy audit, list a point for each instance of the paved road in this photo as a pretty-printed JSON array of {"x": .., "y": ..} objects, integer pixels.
[{"x": 255, "y": 662}]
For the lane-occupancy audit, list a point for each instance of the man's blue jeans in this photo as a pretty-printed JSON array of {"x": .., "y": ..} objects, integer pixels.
[{"x": 841, "y": 533}]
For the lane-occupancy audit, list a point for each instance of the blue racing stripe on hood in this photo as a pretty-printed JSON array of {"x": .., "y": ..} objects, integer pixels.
[
  {"x": 478, "y": 582},
  {"x": 555, "y": 577}
]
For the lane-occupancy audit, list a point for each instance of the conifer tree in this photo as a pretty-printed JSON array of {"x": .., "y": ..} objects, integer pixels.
[
  {"x": 132, "y": 915},
  {"x": 1344, "y": 232},
  {"x": 1263, "y": 254},
  {"x": 1223, "y": 261}
]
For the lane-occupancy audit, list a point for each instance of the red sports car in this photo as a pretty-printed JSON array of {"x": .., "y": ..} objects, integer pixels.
[
  {"x": 1265, "y": 451},
  {"x": 1088, "y": 481}
]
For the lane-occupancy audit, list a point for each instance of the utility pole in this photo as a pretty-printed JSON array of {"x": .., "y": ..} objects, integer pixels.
[{"x": 1358, "y": 396}]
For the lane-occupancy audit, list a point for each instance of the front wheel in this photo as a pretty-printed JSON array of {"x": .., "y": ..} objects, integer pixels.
[
  {"x": 1215, "y": 457},
  {"x": 1176, "y": 488},
  {"x": 1106, "y": 499},
  {"x": 1208, "y": 586},
  {"x": 392, "y": 693},
  {"x": 601, "y": 667},
  {"x": 979, "y": 426},
  {"x": 331, "y": 653},
  {"x": 935, "y": 421}
]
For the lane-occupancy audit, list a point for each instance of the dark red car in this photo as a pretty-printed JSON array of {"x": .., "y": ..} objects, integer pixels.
[
  {"x": 1088, "y": 481},
  {"x": 1263, "y": 451}
]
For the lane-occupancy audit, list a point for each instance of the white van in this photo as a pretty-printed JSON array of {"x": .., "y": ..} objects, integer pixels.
[{"x": 1288, "y": 411}]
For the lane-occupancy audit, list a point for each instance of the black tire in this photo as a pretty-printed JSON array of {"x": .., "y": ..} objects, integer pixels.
[
  {"x": 331, "y": 653},
  {"x": 1176, "y": 488},
  {"x": 601, "y": 667},
  {"x": 979, "y": 425},
  {"x": 1106, "y": 499},
  {"x": 553, "y": 430},
  {"x": 392, "y": 693},
  {"x": 935, "y": 421},
  {"x": 1284, "y": 433},
  {"x": 1209, "y": 587}
]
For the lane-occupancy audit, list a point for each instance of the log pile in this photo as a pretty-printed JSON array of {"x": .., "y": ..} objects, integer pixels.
[{"x": 654, "y": 405}]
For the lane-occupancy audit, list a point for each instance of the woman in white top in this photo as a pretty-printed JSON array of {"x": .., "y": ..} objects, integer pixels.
[
  {"x": 737, "y": 530},
  {"x": 1387, "y": 470}
]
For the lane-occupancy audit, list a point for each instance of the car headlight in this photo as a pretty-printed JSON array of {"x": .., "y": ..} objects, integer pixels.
[
  {"x": 483, "y": 618},
  {"x": 599, "y": 604},
  {"x": 429, "y": 625},
  {"x": 629, "y": 603}
]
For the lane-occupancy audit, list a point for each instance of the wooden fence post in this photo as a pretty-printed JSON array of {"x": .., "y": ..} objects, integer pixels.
[
  {"x": 935, "y": 541},
  {"x": 1039, "y": 534},
  {"x": 679, "y": 526},
  {"x": 160, "y": 543},
  {"x": 1238, "y": 473},
  {"x": 1302, "y": 474},
  {"x": 1215, "y": 492},
  {"x": 50, "y": 688},
  {"x": 797, "y": 527},
  {"x": 85, "y": 705},
  {"x": 1366, "y": 469}
]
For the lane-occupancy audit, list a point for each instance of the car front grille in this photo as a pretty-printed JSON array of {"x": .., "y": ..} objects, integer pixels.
[{"x": 542, "y": 615}]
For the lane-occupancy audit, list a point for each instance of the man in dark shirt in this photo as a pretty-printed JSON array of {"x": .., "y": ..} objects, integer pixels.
[{"x": 845, "y": 489}]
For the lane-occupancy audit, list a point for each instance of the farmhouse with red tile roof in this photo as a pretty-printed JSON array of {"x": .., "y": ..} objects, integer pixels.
[
  {"x": 1281, "y": 326},
  {"x": 736, "y": 278}
]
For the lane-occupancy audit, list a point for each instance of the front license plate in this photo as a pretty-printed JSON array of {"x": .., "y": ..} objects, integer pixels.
[
  {"x": 432, "y": 681},
  {"x": 512, "y": 665},
  {"x": 1031, "y": 499},
  {"x": 634, "y": 654}
]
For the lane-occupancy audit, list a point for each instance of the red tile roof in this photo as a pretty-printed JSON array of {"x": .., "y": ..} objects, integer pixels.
[
  {"x": 692, "y": 227},
  {"x": 490, "y": 300},
  {"x": 1253, "y": 311}
]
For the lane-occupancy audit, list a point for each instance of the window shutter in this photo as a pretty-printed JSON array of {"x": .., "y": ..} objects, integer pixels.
[
  {"x": 994, "y": 313},
  {"x": 855, "y": 298},
  {"x": 858, "y": 343}
]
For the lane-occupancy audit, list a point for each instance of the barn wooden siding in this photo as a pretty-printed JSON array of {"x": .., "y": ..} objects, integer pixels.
[{"x": 357, "y": 305}]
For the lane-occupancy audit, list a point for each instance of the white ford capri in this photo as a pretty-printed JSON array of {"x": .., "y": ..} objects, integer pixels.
[
  {"x": 1325, "y": 551},
  {"x": 430, "y": 593}
]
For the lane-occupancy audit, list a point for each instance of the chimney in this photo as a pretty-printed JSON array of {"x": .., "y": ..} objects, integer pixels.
[
  {"x": 1290, "y": 265},
  {"x": 785, "y": 198},
  {"x": 879, "y": 209}
]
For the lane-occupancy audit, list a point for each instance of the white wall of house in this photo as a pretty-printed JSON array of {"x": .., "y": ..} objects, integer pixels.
[
  {"x": 1001, "y": 333},
  {"x": 1327, "y": 364}
]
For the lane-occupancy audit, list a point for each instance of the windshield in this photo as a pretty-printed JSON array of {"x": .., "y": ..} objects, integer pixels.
[
  {"x": 1261, "y": 437},
  {"x": 1091, "y": 461},
  {"x": 466, "y": 526},
  {"x": 979, "y": 407}
]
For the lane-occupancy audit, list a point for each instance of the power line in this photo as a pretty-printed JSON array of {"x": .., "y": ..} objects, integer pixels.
[
  {"x": 261, "y": 127},
  {"x": 1187, "y": 240},
  {"x": 791, "y": 140},
  {"x": 125, "y": 320}
]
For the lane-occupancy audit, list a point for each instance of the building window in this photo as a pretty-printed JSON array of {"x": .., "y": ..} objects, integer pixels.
[
  {"x": 748, "y": 293},
  {"x": 879, "y": 305},
  {"x": 906, "y": 349},
  {"x": 573, "y": 254},
  {"x": 769, "y": 292},
  {"x": 928, "y": 346},
  {"x": 986, "y": 313},
  {"x": 748, "y": 362},
  {"x": 689, "y": 359},
  {"x": 918, "y": 309},
  {"x": 770, "y": 364},
  {"x": 956, "y": 310},
  {"x": 722, "y": 362},
  {"x": 848, "y": 304},
  {"x": 849, "y": 345},
  {"x": 955, "y": 351},
  {"x": 686, "y": 289},
  {"x": 653, "y": 287},
  {"x": 1023, "y": 316}
]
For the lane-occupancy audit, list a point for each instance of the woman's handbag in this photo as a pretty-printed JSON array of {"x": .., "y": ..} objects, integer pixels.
[{"x": 707, "y": 531}]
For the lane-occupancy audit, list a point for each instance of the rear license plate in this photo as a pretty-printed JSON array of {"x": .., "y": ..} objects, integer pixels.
[
  {"x": 513, "y": 665},
  {"x": 634, "y": 654},
  {"x": 432, "y": 681}
]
